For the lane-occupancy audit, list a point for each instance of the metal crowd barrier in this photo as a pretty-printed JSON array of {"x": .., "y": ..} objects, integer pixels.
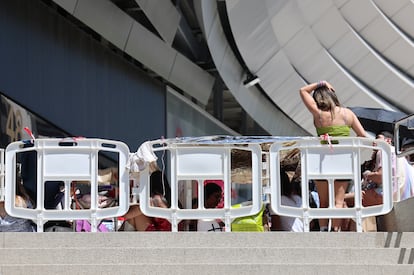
[
  {"x": 403, "y": 129},
  {"x": 190, "y": 163},
  {"x": 200, "y": 161},
  {"x": 339, "y": 161},
  {"x": 2, "y": 168},
  {"x": 71, "y": 163}
]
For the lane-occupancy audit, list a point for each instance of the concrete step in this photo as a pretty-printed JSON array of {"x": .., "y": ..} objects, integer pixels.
[
  {"x": 200, "y": 239},
  {"x": 207, "y": 253},
  {"x": 211, "y": 255},
  {"x": 208, "y": 269}
]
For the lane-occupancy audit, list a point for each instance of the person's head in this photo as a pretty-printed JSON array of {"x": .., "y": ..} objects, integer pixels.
[
  {"x": 212, "y": 195},
  {"x": 386, "y": 136},
  {"x": 326, "y": 99}
]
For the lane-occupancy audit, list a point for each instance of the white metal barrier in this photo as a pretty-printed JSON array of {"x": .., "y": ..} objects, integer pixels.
[
  {"x": 67, "y": 161},
  {"x": 403, "y": 128},
  {"x": 2, "y": 168},
  {"x": 202, "y": 160},
  {"x": 339, "y": 161},
  {"x": 193, "y": 161}
]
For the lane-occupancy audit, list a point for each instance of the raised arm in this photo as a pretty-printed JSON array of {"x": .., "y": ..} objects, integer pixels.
[{"x": 305, "y": 94}]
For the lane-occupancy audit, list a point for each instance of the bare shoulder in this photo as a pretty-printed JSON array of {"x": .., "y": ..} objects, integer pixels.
[{"x": 349, "y": 112}]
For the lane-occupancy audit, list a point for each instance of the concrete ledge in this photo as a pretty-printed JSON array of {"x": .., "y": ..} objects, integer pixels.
[
  {"x": 208, "y": 269},
  {"x": 200, "y": 239},
  {"x": 204, "y": 255}
]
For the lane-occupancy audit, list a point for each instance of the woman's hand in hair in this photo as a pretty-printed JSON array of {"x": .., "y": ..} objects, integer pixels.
[{"x": 329, "y": 86}]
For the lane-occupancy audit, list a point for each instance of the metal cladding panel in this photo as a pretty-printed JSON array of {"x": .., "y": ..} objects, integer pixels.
[
  {"x": 398, "y": 91},
  {"x": 296, "y": 51},
  {"x": 402, "y": 54},
  {"x": 200, "y": 83},
  {"x": 392, "y": 7},
  {"x": 253, "y": 32},
  {"x": 380, "y": 42},
  {"x": 287, "y": 22},
  {"x": 403, "y": 18},
  {"x": 312, "y": 13},
  {"x": 275, "y": 72},
  {"x": 167, "y": 62},
  {"x": 68, "y": 5},
  {"x": 330, "y": 28},
  {"x": 215, "y": 44},
  {"x": 269, "y": 117},
  {"x": 163, "y": 16},
  {"x": 369, "y": 69},
  {"x": 106, "y": 19},
  {"x": 318, "y": 65},
  {"x": 120, "y": 29},
  {"x": 359, "y": 13},
  {"x": 339, "y": 3},
  {"x": 150, "y": 50},
  {"x": 348, "y": 50}
]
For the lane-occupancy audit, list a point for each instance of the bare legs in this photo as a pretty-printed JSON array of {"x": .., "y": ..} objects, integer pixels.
[{"x": 339, "y": 192}]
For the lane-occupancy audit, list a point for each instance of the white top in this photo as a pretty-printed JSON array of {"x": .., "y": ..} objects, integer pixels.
[
  {"x": 291, "y": 223},
  {"x": 209, "y": 225}
]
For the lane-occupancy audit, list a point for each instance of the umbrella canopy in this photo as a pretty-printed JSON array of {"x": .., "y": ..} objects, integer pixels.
[{"x": 376, "y": 120}]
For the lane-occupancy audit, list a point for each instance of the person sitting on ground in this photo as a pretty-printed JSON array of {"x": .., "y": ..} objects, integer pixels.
[{"x": 330, "y": 119}]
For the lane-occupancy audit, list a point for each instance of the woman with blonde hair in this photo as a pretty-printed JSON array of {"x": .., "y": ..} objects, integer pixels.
[{"x": 331, "y": 119}]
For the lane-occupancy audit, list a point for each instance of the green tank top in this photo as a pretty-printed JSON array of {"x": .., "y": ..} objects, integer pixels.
[{"x": 335, "y": 131}]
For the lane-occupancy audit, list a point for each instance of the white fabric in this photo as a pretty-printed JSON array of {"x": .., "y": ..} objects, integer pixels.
[
  {"x": 405, "y": 180},
  {"x": 139, "y": 160},
  {"x": 315, "y": 197}
]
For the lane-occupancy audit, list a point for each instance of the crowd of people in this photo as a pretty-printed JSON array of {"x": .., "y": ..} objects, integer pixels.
[{"x": 329, "y": 118}]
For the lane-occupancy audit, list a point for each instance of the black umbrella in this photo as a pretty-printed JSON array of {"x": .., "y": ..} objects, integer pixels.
[{"x": 376, "y": 120}]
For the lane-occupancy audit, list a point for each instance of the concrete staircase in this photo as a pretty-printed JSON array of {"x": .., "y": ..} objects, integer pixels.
[{"x": 207, "y": 253}]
